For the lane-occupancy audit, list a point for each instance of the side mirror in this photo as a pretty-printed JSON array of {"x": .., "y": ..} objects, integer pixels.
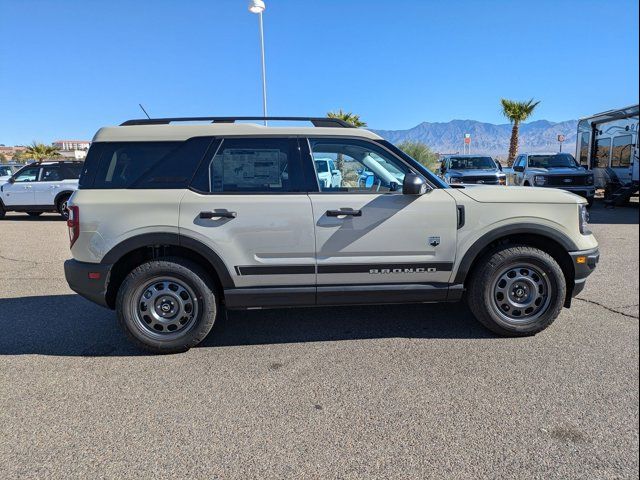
[
  {"x": 518, "y": 169},
  {"x": 335, "y": 172},
  {"x": 414, "y": 185},
  {"x": 12, "y": 180},
  {"x": 443, "y": 168}
]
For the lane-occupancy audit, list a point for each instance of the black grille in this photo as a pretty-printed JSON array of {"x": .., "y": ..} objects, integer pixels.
[
  {"x": 567, "y": 180},
  {"x": 485, "y": 179}
]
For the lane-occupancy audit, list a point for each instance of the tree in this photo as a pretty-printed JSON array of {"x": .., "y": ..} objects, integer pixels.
[
  {"x": 421, "y": 153},
  {"x": 353, "y": 119},
  {"x": 3, "y": 157},
  {"x": 516, "y": 112},
  {"x": 40, "y": 151}
]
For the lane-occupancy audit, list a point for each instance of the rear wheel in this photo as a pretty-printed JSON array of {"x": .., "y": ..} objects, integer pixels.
[
  {"x": 167, "y": 305},
  {"x": 62, "y": 207},
  {"x": 517, "y": 291}
]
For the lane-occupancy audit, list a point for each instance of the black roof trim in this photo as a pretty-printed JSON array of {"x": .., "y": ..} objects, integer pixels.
[{"x": 316, "y": 121}]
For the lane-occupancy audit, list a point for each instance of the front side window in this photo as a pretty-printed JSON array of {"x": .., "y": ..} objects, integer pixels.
[
  {"x": 621, "y": 151},
  {"x": 603, "y": 151},
  {"x": 5, "y": 171},
  {"x": 27, "y": 175},
  {"x": 360, "y": 167},
  {"x": 50, "y": 174},
  {"x": 251, "y": 165}
]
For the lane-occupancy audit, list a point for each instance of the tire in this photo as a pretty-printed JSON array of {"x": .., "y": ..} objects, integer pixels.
[
  {"x": 34, "y": 214},
  {"x": 509, "y": 305},
  {"x": 183, "y": 288},
  {"x": 61, "y": 207},
  {"x": 3, "y": 212}
]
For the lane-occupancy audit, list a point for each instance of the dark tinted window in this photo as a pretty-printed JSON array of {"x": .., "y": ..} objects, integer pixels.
[
  {"x": 252, "y": 165},
  {"x": 561, "y": 160},
  {"x": 473, "y": 163},
  {"x": 584, "y": 149},
  {"x": 70, "y": 171},
  {"x": 621, "y": 152}
]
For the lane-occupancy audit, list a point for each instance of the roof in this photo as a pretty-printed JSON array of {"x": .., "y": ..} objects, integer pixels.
[
  {"x": 630, "y": 111},
  {"x": 168, "y": 132}
]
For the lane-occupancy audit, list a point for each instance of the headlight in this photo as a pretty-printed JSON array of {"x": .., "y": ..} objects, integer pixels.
[
  {"x": 540, "y": 180},
  {"x": 455, "y": 179},
  {"x": 584, "y": 220},
  {"x": 589, "y": 179}
]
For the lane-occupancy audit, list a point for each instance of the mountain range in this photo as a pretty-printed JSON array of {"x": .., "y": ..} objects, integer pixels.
[{"x": 488, "y": 138}]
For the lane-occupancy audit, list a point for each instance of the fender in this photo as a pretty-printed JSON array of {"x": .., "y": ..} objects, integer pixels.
[
  {"x": 505, "y": 231},
  {"x": 151, "y": 239}
]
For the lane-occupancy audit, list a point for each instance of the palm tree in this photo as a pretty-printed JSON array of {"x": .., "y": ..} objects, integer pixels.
[
  {"x": 421, "y": 153},
  {"x": 516, "y": 112},
  {"x": 353, "y": 119},
  {"x": 40, "y": 151}
]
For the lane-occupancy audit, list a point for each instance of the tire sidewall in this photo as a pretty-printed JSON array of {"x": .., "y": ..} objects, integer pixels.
[{"x": 126, "y": 305}]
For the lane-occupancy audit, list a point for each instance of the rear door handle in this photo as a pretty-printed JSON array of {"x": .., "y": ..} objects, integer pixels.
[
  {"x": 222, "y": 214},
  {"x": 346, "y": 211}
]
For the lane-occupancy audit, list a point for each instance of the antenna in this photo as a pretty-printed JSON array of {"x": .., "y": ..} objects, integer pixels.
[{"x": 145, "y": 112}]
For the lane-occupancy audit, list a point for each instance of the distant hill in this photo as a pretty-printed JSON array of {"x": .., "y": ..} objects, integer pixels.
[{"x": 488, "y": 138}]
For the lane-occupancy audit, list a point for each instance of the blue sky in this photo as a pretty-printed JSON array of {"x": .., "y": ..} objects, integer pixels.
[{"x": 68, "y": 67}]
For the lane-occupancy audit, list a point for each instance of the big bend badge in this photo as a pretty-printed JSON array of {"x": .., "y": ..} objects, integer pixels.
[{"x": 434, "y": 241}]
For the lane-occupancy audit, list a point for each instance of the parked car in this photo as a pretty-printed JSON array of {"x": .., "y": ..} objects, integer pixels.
[
  {"x": 40, "y": 187},
  {"x": 472, "y": 169},
  {"x": 327, "y": 172},
  {"x": 172, "y": 223},
  {"x": 553, "y": 170},
  {"x": 7, "y": 170}
]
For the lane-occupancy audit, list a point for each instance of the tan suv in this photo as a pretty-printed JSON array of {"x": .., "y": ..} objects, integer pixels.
[{"x": 173, "y": 221}]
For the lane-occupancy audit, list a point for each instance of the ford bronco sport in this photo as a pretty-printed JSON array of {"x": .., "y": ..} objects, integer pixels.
[{"x": 173, "y": 221}]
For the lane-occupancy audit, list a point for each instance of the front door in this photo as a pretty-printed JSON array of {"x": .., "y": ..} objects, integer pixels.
[
  {"x": 374, "y": 243},
  {"x": 249, "y": 201},
  {"x": 21, "y": 192},
  {"x": 48, "y": 186}
]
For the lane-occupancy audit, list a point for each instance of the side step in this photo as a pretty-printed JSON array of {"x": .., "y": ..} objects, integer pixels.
[{"x": 621, "y": 196}]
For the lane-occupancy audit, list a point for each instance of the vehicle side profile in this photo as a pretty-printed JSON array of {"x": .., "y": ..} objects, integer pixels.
[
  {"x": 472, "y": 169},
  {"x": 553, "y": 170},
  {"x": 40, "y": 187},
  {"x": 231, "y": 215}
]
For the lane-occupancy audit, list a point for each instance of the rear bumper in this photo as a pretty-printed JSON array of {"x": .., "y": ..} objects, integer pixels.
[
  {"x": 584, "y": 263},
  {"x": 92, "y": 287}
]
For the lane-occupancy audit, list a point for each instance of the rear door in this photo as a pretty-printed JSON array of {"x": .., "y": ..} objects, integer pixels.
[
  {"x": 248, "y": 203},
  {"x": 368, "y": 233}
]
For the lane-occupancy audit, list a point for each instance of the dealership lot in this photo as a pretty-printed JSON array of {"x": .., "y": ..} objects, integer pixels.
[{"x": 392, "y": 391}]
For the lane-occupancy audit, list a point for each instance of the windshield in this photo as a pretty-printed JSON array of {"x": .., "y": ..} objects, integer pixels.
[
  {"x": 5, "y": 171},
  {"x": 563, "y": 160},
  {"x": 473, "y": 163}
]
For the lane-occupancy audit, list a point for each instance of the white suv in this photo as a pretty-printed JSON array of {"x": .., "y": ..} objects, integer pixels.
[
  {"x": 40, "y": 187},
  {"x": 173, "y": 222}
]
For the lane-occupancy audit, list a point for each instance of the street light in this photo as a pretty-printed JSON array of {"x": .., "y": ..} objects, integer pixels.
[{"x": 258, "y": 6}]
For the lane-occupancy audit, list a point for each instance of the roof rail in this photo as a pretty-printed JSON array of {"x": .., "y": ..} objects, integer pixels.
[{"x": 316, "y": 121}]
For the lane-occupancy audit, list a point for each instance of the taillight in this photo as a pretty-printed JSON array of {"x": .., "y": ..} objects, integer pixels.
[{"x": 74, "y": 224}]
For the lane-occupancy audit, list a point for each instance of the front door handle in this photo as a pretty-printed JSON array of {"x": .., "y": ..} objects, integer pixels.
[
  {"x": 346, "y": 211},
  {"x": 221, "y": 214}
]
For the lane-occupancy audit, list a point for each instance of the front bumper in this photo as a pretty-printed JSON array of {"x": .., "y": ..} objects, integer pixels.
[
  {"x": 584, "y": 263},
  {"x": 586, "y": 191},
  {"x": 90, "y": 280}
]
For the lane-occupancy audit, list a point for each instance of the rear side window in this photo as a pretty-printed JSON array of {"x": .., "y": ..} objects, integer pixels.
[
  {"x": 252, "y": 165},
  {"x": 71, "y": 171},
  {"x": 143, "y": 165}
]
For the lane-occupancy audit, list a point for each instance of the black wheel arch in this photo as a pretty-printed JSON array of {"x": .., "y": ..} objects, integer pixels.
[
  {"x": 547, "y": 239},
  {"x": 61, "y": 195},
  {"x": 134, "y": 251}
]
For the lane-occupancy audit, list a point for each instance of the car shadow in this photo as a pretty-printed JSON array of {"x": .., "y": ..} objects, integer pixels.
[
  {"x": 623, "y": 215},
  {"x": 68, "y": 325},
  {"x": 23, "y": 217}
]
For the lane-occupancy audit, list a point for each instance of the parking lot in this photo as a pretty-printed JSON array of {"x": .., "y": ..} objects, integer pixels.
[{"x": 359, "y": 392}]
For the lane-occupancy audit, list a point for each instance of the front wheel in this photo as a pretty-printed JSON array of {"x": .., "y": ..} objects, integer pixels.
[
  {"x": 167, "y": 305},
  {"x": 517, "y": 291}
]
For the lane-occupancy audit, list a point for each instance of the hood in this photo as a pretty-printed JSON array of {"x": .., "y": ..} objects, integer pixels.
[
  {"x": 559, "y": 171},
  {"x": 474, "y": 172},
  {"x": 495, "y": 194}
]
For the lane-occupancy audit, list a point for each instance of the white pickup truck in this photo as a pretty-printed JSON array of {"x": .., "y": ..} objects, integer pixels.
[{"x": 40, "y": 187}]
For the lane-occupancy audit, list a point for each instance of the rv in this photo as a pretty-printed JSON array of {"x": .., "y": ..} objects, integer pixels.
[{"x": 607, "y": 143}]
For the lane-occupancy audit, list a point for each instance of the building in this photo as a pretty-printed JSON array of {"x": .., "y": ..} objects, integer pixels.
[{"x": 70, "y": 145}]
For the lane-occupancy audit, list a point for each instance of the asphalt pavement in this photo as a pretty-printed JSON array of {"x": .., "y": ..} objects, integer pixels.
[{"x": 414, "y": 391}]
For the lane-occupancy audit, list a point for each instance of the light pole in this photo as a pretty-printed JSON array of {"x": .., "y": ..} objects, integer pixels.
[{"x": 258, "y": 6}]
